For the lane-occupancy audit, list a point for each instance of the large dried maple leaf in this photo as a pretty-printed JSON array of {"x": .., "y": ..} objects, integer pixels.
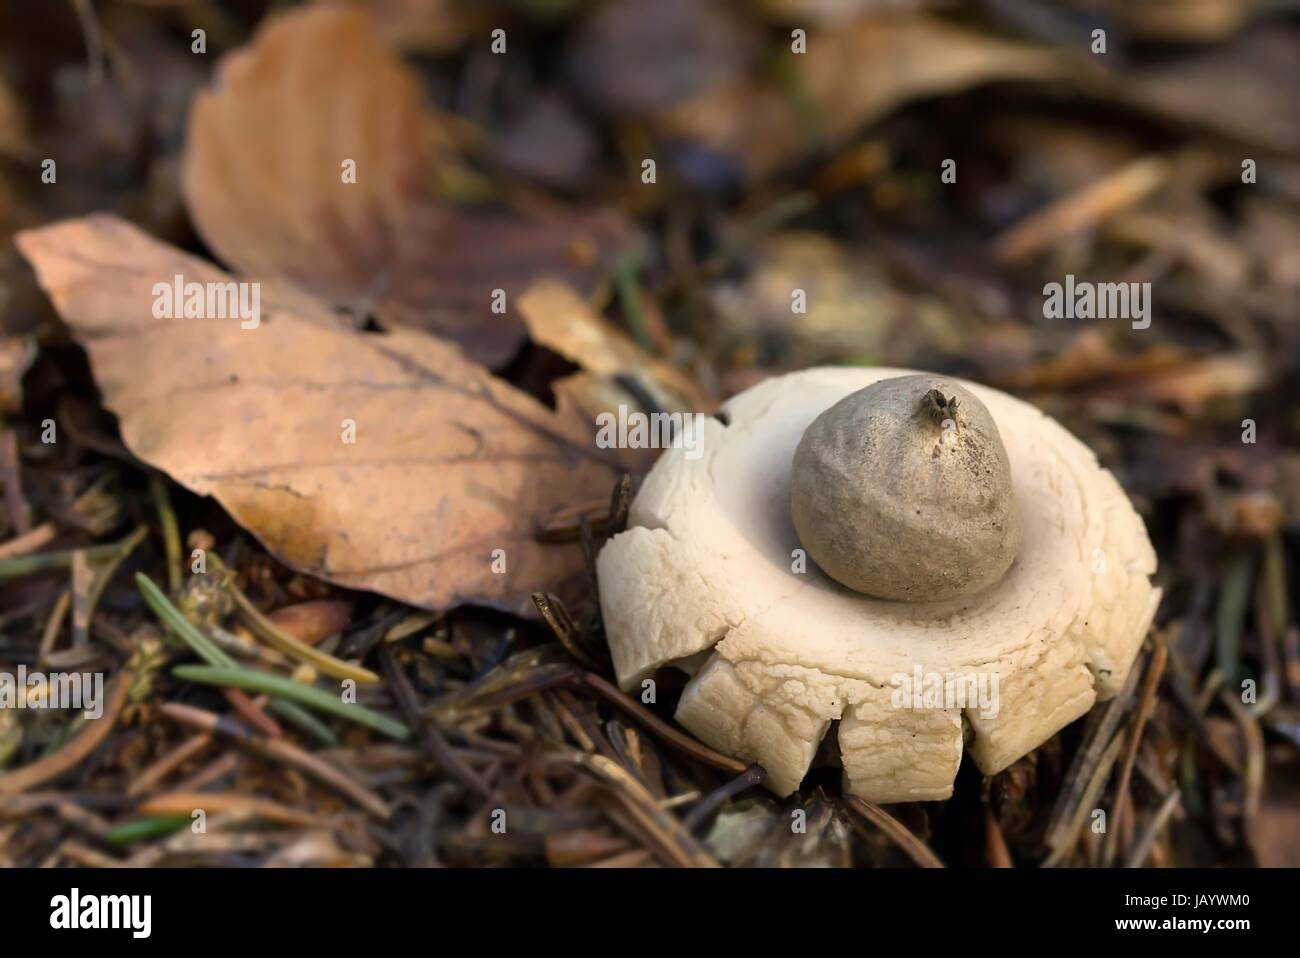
[
  {"x": 449, "y": 463},
  {"x": 264, "y": 182}
]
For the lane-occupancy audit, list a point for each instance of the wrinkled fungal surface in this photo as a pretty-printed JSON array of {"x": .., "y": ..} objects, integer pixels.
[
  {"x": 710, "y": 578},
  {"x": 902, "y": 490}
]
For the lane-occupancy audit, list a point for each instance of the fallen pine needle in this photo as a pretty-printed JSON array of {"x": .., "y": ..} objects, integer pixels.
[
  {"x": 75, "y": 751},
  {"x": 184, "y": 804},
  {"x": 252, "y": 681},
  {"x": 209, "y": 652},
  {"x": 281, "y": 641},
  {"x": 916, "y": 849},
  {"x": 279, "y": 750}
]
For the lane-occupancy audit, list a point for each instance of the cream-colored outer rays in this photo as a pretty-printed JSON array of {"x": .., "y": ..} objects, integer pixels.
[{"x": 709, "y": 577}]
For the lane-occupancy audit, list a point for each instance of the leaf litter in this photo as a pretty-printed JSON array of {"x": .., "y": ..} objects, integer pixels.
[{"x": 476, "y": 690}]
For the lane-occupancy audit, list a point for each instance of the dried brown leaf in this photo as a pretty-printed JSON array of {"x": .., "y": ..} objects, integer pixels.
[
  {"x": 849, "y": 77},
  {"x": 562, "y": 321},
  {"x": 449, "y": 463},
  {"x": 264, "y": 183},
  {"x": 1258, "y": 68}
]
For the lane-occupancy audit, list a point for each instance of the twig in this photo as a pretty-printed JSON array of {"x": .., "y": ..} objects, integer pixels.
[
  {"x": 1102, "y": 725},
  {"x": 749, "y": 778},
  {"x": 664, "y": 832},
  {"x": 20, "y": 515},
  {"x": 280, "y": 750},
  {"x": 1253, "y": 776},
  {"x": 1083, "y": 209},
  {"x": 1148, "y": 838},
  {"x": 170, "y": 530},
  {"x": 27, "y": 542},
  {"x": 1231, "y": 613},
  {"x": 1069, "y": 836},
  {"x": 94, "y": 41},
  {"x": 1150, "y": 682},
  {"x": 916, "y": 849},
  {"x": 207, "y": 650},
  {"x": 164, "y": 766},
  {"x": 75, "y": 751},
  {"x": 555, "y": 615},
  {"x": 53, "y": 561},
  {"x": 434, "y": 742},
  {"x": 282, "y": 642},
  {"x": 53, "y": 626},
  {"x": 661, "y": 729},
  {"x": 214, "y": 803}
]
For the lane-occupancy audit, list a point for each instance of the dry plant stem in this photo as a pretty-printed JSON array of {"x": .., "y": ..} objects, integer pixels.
[
  {"x": 53, "y": 625},
  {"x": 84, "y": 612},
  {"x": 83, "y": 818},
  {"x": 1151, "y": 681},
  {"x": 164, "y": 766},
  {"x": 916, "y": 849},
  {"x": 170, "y": 530},
  {"x": 213, "y": 803},
  {"x": 1185, "y": 695},
  {"x": 557, "y": 617},
  {"x": 214, "y": 771},
  {"x": 570, "y": 706},
  {"x": 174, "y": 620},
  {"x": 281, "y": 751},
  {"x": 251, "y": 710},
  {"x": 1142, "y": 847},
  {"x": 94, "y": 41},
  {"x": 564, "y": 675},
  {"x": 1083, "y": 209},
  {"x": 269, "y": 632},
  {"x": 51, "y": 561},
  {"x": 1230, "y": 615},
  {"x": 80, "y": 854},
  {"x": 81, "y": 599},
  {"x": 432, "y": 738},
  {"x": 704, "y": 810},
  {"x": 661, "y": 729},
  {"x": 1102, "y": 725},
  {"x": 186, "y": 841},
  {"x": 20, "y": 516},
  {"x": 92, "y": 734},
  {"x": 28, "y": 541},
  {"x": 664, "y": 832},
  {"x": 1069, "y": 836},
  {"x": 1253, "y": 737},
  {"x": 1270, "y": 619}
]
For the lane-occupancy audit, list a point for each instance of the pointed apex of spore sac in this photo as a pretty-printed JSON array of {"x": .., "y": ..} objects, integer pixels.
[
  {"x": 903, "y": 491},
  {"x": 940, "y": 404}
]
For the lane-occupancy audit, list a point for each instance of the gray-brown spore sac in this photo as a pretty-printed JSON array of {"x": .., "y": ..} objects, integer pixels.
[{"x": 903, "y": 491}]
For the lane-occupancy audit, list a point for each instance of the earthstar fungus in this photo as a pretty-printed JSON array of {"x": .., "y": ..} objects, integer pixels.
[
  {"x": 902, "y": 490},
  {"x": 711, "y": 577}
]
